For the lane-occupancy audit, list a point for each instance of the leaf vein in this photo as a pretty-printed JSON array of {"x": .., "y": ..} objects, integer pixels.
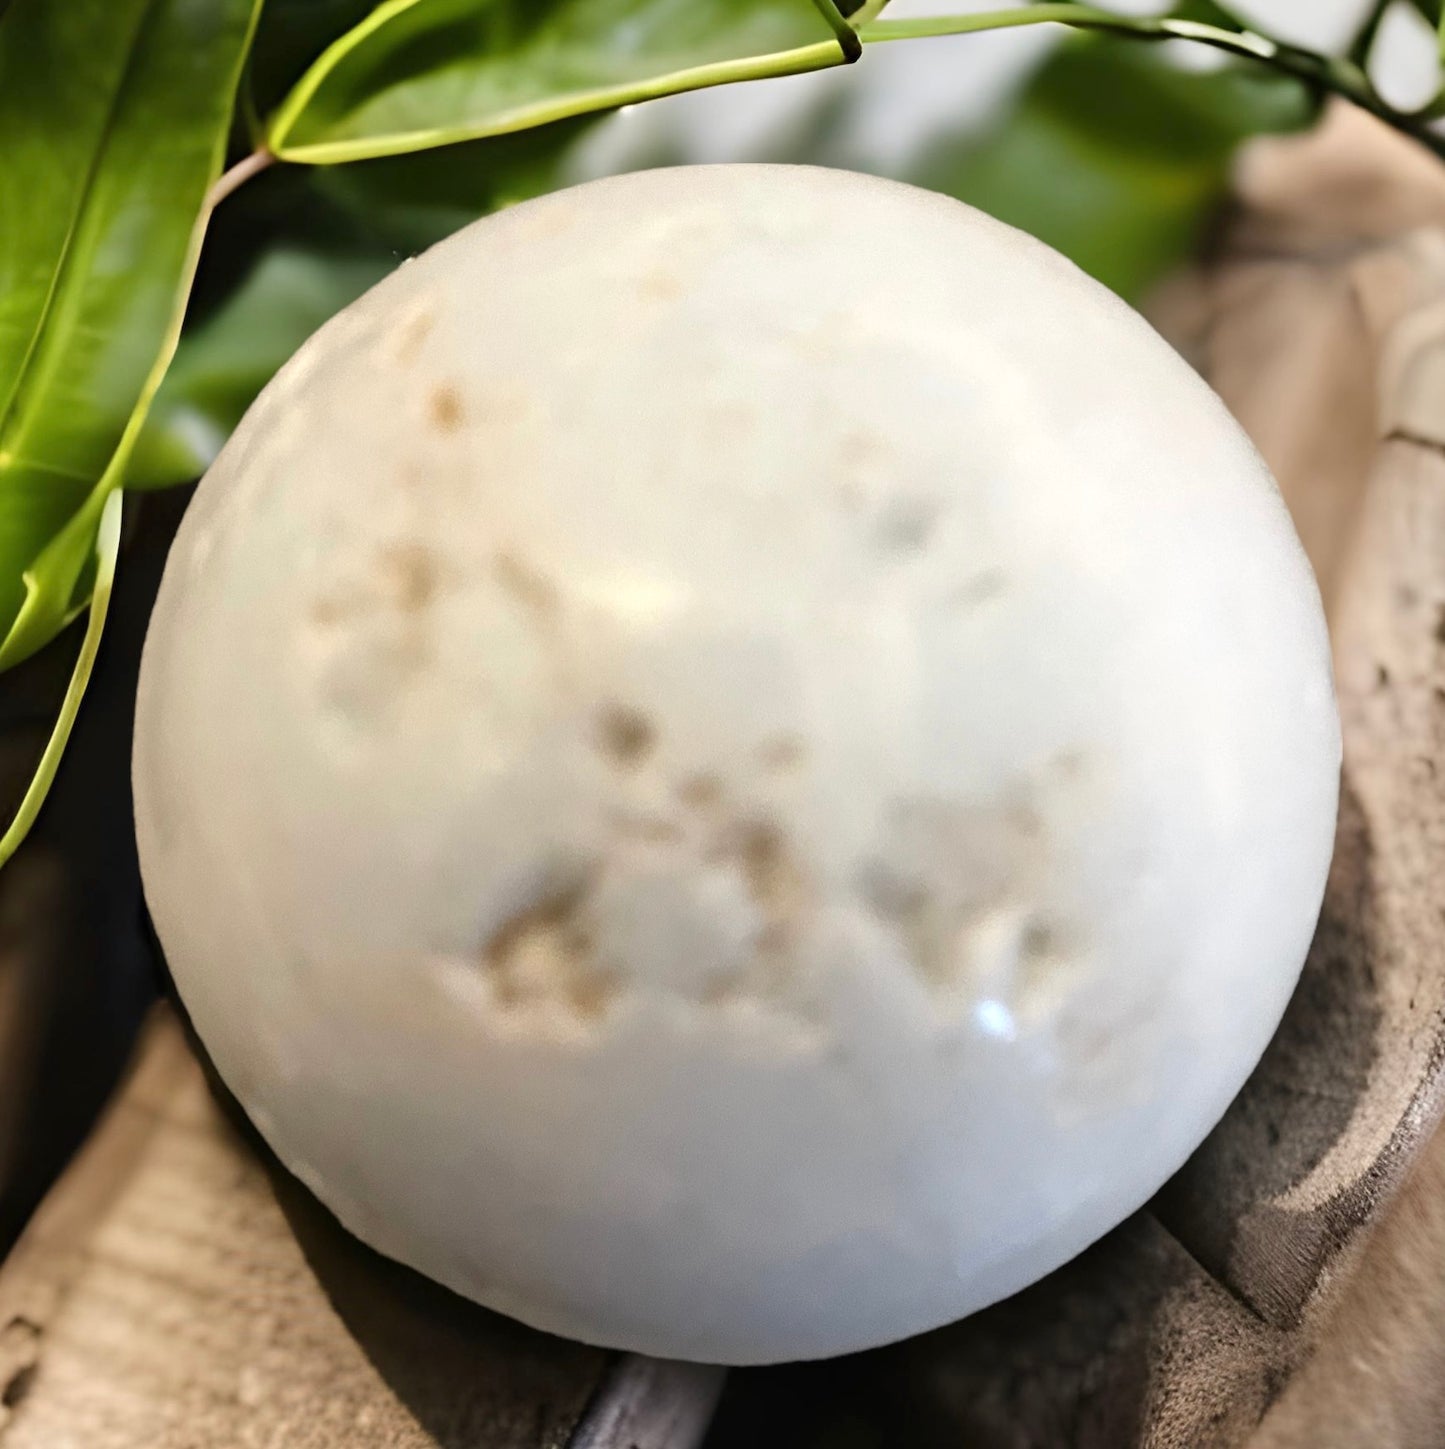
[{"x": 65, "y": 259}]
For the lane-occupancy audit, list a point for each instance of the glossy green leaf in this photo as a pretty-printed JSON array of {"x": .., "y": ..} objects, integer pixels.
[
  {"x": 1115, "y": 157},
  {"x": 221, "y": 366},
  {"x": 113, "y": 119},
  {"x": 420, "y": 73},
  {"x": 291, "y": 37}
]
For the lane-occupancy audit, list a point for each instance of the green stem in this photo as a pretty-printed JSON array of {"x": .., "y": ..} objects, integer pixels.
[
  {"x": 1359, "y": 48},
  {"x": 106, "y": 548},
  {"x": 238, "y": 176},
  {"x": 1327, "y": 74},
  {"x": 847, "y": 37}
]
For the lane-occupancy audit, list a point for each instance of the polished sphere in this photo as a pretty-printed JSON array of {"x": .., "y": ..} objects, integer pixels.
[{"x": 736, "y": 762}]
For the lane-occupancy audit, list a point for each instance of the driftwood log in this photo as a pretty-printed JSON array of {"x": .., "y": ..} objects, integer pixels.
[{"x": 1286, "y": 1291}]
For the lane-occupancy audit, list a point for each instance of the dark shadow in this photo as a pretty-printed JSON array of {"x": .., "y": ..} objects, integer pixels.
[
  {"x": 837, "y": 1404},
  {"x": 1063, "y": 1363},
  {"x": 72, "y": 941}
]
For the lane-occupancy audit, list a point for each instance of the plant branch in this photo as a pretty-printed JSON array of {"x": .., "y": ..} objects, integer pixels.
[
  {"x": 238, "y": 175},
  {"x": 1326, "y": 74}
]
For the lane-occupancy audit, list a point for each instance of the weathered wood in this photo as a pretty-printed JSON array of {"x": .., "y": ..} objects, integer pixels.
[
  {"x": 175, "y": 1293},
  {"x": 1345, "y": 1098},
  {"x": 1321, "y": 320},
  {"x": 1377, "y": 1379}
]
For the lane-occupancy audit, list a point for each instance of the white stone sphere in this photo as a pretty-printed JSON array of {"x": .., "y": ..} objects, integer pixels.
[{"x": 736, "y": 762}]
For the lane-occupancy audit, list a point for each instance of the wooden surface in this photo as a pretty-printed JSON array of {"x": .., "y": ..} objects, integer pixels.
[
  {"x": 174, "y": 1294},
  {"x": 1256, "y": 1287},
  {"x": 1286, "y": 1291},
  {"x": 1377, "y": 1378},
  {"x": 1342, "y": 237}
]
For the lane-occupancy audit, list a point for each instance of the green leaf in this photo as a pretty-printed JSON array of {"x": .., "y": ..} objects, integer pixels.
[
  {"x": 1207, "y": 12},
  {"x": 221, "y": 366},
  {"x": 290, "y": 38},
  {"x": 113, "y": 116},
  {"x": 1115, "y": 157},
  {"x": 421, "y": 73},
  {"x": 1433, "y": 11},
  {"x": 107, "y": 547}
]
